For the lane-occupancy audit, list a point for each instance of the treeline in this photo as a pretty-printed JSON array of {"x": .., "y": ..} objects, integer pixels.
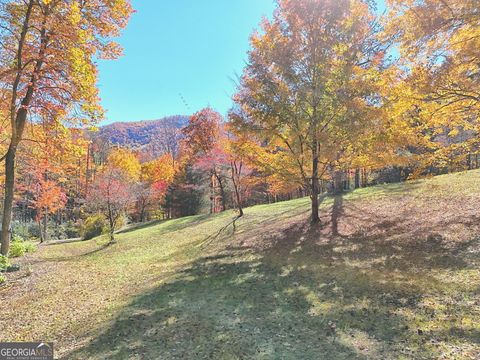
[{"x": 333, "y": 97}]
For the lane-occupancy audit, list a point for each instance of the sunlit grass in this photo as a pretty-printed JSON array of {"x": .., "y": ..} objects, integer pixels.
[{"x": 398, "y": 279}]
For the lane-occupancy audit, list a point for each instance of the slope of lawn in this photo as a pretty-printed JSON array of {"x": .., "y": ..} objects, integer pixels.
[{"x": 392, "y": 273}]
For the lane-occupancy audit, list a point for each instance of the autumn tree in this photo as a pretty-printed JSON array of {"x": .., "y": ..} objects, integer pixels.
[
  {"x": 111, "y": 195},
  {"x": 156, "y": 177},
  {"x": 238, "y": 151},
  {"x": 47, "y": 68},
  {"x": 49, "y": 197},
  {"x": 201, "y": 142},
  {"x": 126, "y": 162},
  {"x": 309, "y": 85},
  {"x": 159, "y": 170},
  {"x": 51, "y": 168},
  {"x": 41, "y": 190},
  {"x": 146, "y": 196},
  {"x": 434, "y": 96}
]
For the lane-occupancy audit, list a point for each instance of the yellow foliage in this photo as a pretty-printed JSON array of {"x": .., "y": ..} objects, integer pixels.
[
  {"x": 126, "y": 161},
  {"x": 158, "y": 170}
]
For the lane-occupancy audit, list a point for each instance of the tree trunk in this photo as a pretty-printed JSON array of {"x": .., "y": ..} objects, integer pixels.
[
  {"x": 364, "y": 177},
  {"x": 45, "y": 226},
  {"x": 111, "y": 223},
  {"x": 212, "y": 194},
  {"x": 222, "y": 190},
  {"x": 239, "y": 203},
  {"x": 357, "y": 178},
  {"x": 18, "y": 119},
  {"x": 143, "y": 210},
  {"x": 315, "y": 219},
  {"x": 8, "y": 201},
  {"x": 40, "y": 227},
  {"x": 236, "y": 186},
  {"x": 338, "y": 185}
]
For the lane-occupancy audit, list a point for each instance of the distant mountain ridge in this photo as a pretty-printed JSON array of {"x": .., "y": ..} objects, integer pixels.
[{"x": 139, "y": 133}]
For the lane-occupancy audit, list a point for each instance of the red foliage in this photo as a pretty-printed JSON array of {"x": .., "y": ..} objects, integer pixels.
[
  {"x": 112, "y": 196},
  {"x": 160, "y": 188},
  {"x": 202, "y": 132}
]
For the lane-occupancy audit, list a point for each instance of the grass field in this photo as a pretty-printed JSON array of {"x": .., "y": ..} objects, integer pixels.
[{"x": 392, "y": 273}]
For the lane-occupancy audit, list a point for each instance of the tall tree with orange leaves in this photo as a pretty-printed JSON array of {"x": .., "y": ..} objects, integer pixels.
[
  {"x": 310, "y": 84},
  {"x": 47, "y": 68},
  {"x": 202, "y": 145},
  {"x": 50, "y": 170}
]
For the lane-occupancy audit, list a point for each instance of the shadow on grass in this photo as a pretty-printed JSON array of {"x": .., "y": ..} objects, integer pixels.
[
  {"x": 331, "y": 292},
  {"x": 241, "y": 310},
  {"x": 298, "y": 299}
]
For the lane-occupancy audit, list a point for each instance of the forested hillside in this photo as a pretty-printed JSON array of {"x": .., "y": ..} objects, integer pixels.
[{"x": 140, "y": 133}]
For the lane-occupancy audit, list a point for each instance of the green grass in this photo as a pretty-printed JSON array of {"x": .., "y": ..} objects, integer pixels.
[{"x": 392, "y": 273}]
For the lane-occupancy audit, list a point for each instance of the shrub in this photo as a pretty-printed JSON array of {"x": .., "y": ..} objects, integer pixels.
[
  {"x": 2, "y": 279},
  {"x": 56, "y": 232},
  {"x": 17, "y": 248},
  {"x": 27, "y": 230},
  {"x": 30, "y": 247},
  {"x": 71, "y": 229},
  {"x": 34, "y": 230},
  {"x": 17, "y": 237},
  {"x": 12, "y": 268},
  {"x": 93, "y": 226},
  {"x": 21, "y": 228},
  {"x": 4, "y": 263}
]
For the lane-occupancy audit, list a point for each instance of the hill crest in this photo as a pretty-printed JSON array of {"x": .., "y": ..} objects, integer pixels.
[{"x": 140, "y": 133}]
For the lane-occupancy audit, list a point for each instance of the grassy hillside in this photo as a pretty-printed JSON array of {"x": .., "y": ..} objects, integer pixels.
[{"x": 392, "y": 273}]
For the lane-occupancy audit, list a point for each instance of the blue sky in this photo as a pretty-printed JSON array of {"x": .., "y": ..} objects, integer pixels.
[
  {"x": 189, "y": 47},
  {"x": 195, "y": 48}
]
